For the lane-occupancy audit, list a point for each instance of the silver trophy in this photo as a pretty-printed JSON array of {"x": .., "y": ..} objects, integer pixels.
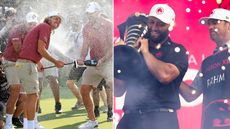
[{"x": 134, "y": 32}]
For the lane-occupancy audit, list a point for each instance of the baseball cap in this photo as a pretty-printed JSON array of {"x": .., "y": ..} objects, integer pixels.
[
  {"x": 31, "y": 17},
  {"x": 218, "y": 14},
  {"x": 55, "y": 13},
  {"x": 10, "y": 12},
  {"x": 93, "y": 7},
  {"x": 163, "y": 12}
]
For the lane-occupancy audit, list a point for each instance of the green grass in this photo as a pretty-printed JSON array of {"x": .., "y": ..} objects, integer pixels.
[{"x": 68, "y": 119}]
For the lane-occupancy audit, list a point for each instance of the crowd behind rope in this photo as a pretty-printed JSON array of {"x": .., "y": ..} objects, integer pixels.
[{"x": 12, "y": 118}]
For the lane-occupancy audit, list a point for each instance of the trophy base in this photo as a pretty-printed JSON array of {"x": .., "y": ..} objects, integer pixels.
[{"x": 127, "y": 62}]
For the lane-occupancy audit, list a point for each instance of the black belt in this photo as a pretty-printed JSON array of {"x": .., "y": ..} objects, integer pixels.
[{"x": 140, "y": 111}]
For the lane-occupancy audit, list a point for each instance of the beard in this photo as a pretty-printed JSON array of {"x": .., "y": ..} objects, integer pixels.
[
  {"x": 215, "y": 37},
  {"x": 157, "y": 36}
]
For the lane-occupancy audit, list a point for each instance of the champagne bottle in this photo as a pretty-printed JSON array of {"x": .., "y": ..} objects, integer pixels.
[{"x": 90, "y": 62}]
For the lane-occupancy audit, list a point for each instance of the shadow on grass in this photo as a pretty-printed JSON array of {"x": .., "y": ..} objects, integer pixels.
[
  {"x": 101, "y": 122},
  {"x": 72, "y": 115},
  {"x": 71, "y": 126},
  {"x": 75, "y": 126},
  {"x": 67, "y": 114}
]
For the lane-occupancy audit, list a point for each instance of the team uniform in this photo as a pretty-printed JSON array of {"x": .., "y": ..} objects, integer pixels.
[
  {"x": 76, "y": 72},
  {"x": 156, "y": 104},
  {"x": 17, "y": 34},
  {"x": 98, "y": 41},
  {"x": 213, "y": 81},
  {"x": 29, "y": 56},
  {"x": 10, "y": 56}
]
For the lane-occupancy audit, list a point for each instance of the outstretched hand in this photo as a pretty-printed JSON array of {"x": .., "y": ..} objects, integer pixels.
[
  {"x": 99, "y": 63},
  {"x": 40, "y": 67},
  {"x": 80, "y": 62},
  {"x": 59, "y": 64}
]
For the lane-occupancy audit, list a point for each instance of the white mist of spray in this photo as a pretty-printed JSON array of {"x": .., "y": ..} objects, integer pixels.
[{"x": 71, "y": 10}]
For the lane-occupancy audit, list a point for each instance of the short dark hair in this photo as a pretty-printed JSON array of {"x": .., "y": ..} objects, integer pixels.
[{"x": 46, "y": 20}]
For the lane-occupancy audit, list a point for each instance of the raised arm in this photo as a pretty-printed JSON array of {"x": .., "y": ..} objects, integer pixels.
[
  {"x": 193, "y": 91},
  {"x": 164, "y": 72}
]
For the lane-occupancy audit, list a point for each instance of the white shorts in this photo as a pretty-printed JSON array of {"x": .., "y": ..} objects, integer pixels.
[
  {"x": 28, "y": 75},
  {"x": 93, "y": 76},
  {"x": 11, "y": 72},
  {"x": 51, "y": 72},
  {"x": 40, "y": 74}
]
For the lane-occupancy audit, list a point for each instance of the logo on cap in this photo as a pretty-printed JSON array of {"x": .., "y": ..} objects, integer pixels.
[
  {"x": 218, "y": 14},
  {"x": 160, "y": 11},
  {"x": 212, "y": 12},
  {"x": 163, "y": 12},
  {"x": 34, "y": 16}
]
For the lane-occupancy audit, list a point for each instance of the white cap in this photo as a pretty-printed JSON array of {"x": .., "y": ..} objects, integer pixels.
[
  {"x": 10, "y": 11},
  {"x": 93, "y": 7},
  {"x": 163, "y": 12},
  {"x": 219, "y": 14},
  {"x": 55, "y": 13},
  {"x": 32, "y": 17},
  {"x": 13, "y": 10}
]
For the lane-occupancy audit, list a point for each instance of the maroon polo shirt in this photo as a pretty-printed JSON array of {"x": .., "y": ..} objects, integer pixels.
[
  {"x": 16, "y": 34},
  {"x": 29, "y": 49}
]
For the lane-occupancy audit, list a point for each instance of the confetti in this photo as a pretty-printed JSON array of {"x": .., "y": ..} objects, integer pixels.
[
  {"x": 188, "y": 10},
  {"x": 201, "y": 75},
  {"x": 223, "y": 67},
  {"x": 177, "y": 49}
]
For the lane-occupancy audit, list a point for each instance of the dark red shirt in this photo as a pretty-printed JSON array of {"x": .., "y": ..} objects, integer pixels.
[
  {"x": 29, "y": 48},
  {"x": 17, "y": 33},
  {"x": 98, "y": 38}
]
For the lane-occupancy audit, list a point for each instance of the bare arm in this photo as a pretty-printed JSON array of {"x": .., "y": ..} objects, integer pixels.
[
  {"x": 84, "y": 52},
  {"x": 85, "y": 47},
  {"x": 188, "y": 92},
  {"x": 109, "y": 44},
  {"x": 164, "y": 72},
  {"x": 42, "y": 50},
  {"x": 40, "y": 67}
]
